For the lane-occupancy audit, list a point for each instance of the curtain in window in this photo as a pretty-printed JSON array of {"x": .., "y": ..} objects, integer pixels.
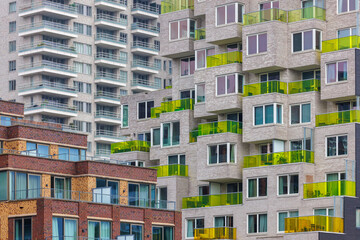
[
  {"x": 12, "y": 185},
  {"x": 34, "y": 186},
  {"x": 278, "y": 114},
  {"x": 232, "y": 153},
  {"x": 221, "y": 85},
  {"x": 137, "y": 232},
  {"x": 262, "y": 39},
  {"x": 219, "y": 222},
  {"x": 220, "y": 15},
  {"x": 320, "y": 212},
  {"x": 93, "y": 230},
  {"x": 183, "y": 28},
  {"x": 57, "y": 227},
  {"x": 200, "y": 59},
  {"x": 18, "y": 229},
  {"x": 223, "y": 153},
  {"x": 105, "y": 231},
  {"x": 263, "y": 223},
  {"x": 3, "y": 186},
  {"x": 174, "y": 34},
  {"x": 190, "y": 229},
  {"x": 269, "y": 114},
  {"x": 59, "y": 188},
  {"x": 144, "y": 195},
  {"x": 252, "y": 222},
  {"x": 308, "y": 40},
  {"x": 282, "y": 217},
  {"x": 252, "y": 47},
  {"x": 342, "y": 5},
  {"x": 133, "y": 194},
  {"x": 70, "y": 230},
  {"x": 125, "y": 120},
  {"x": 342, "y": 71},
  {"x": 283, "y": 185},
  {"x": 231, "y": 13},
  {"x": 157, "y": 233},
  {"x": 168, "y": 233},
  {"x": 331, "y": 72},
  {"x": 21, "y": 185},
  {"x": 230, "y": 84},
  {"x": 252, "y": 188},
  {"x": 259, "y": 118},
  {"x": 176, "y": 133},
  {"x": 305, "y": 113}
]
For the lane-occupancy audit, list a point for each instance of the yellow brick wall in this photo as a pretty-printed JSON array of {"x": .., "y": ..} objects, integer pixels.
[
  {"x": 123, "y": 192},
  {"x": 82, "y": 187},
  {"x": 46, "y": 185},
  {"x": 54, "y": 150},
  {"x": 19, "y": 145}
]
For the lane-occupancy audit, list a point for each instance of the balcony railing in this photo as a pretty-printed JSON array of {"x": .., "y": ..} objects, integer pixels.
[
  {"x": 172, "y": 170},
  {"x": 172, "y": 106},
  {"x": 306, "y": 13},
  {"x": 47, "y": 44},
  {"x": 223, "y": 59},
  {"x": 108, "y": 114},
  {"x": 215, "y": 233},
  {"x": 212, "y": 200},
  {"x": 47, "y": 64},
  {"x": 145, "y": 64},
  {"x": 108, "y": 95},
  {"x": 351, "y": 116},
  {"x": 200, "y": 34},
  {"x": 145, "y": 83},
  {"x": 117, "y": 2},
  {"x": 145, "y": 45},
  {"x": 48, "y": 4},
  {"x": 110, "y": 57},
  {"x": 216, "y": 128},
  {"x": 340, "y": 44},
  {"x": 146, "y": 27},
  {"x": 168, "y": 6},
  {"x": 145, "y": 8},
  {"x": 111, "y": 76},
  {"x": 51, "y": 105},
  {"x": 111, "y": 19},
  {"x": 111, "y": 38},
  {"x": 130, "y": 146},
  {"x": 314, "y": 223},
  {"x": 45, "y": 24},
  {"x": 328, "y": 189},
  {"x": 51, "y": 85},
  {"x": 109, "y": 133},
  {"x": 274, "y": 86},
  {"x": 279, "y": 158},
  {"x": 302, "y": 86}
]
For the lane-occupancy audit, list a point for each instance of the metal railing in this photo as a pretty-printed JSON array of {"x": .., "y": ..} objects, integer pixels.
[
  {"x": 111, "y": 76},
  {"x": 47, "y": 44},
  {"x": 45, "y": 24},
  {"x": 145, "y": 83},
  {"x": 109, "y": 37},
  {"x": 50, "y": 64},
  {"x": 145, "y": 64},
  {"x": 46, "y": 104},
  {"x": 108, "y": 114},
  {"x": 58, "y": 86},
  {"x": 104, "y": 94},
  {"x": 109, "y": 133},
  {"x": 113, "y": 19},
  {"x": 145, "y": 7},
  {"x": 150, "y": 46},
  {"x": 118, "y": 2},
  {"x": 144, "y": 26},
  {"x": 49, "y": 4},
  {"x": 112, "y": 57}
]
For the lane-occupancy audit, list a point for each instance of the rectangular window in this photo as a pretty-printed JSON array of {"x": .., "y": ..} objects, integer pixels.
[
  {"x": 281, "y": 219},
  {"x": 125, "y": 115},
  {"x": 144, "y": 109},
  {"x": 187, "y": 66},
  {"x": 12, "y": 85},
  {"x": 136, "y": 230},
  {"x": 72, "y": 154},
  {"x": 257, "y": 223},
  {"x": 12, "y": 7},
  {"x": 324, "y": 212},
  {"x": 257, "y": 43},
  {"x": 200, "y": 93},
  {"x": 358, "y": 218},
  {"x": 221, "y": 153},
  {"x": 23, "y": 229},
  {"x": 230, "y": 13},
  {"x": 23, "y": 186},
  {"x": 288, "y": 184},
  {"x": 182, "y": 29},
  {"x": 268, "y": 114},
  {"x": 200, "y": 57},
  {"x": 170, "y": 133},
  {"x": 35, "y": 149},
  {"x": 64, "y": 227},
  {"x": 257, "y": 187},
  {"x": 300, "y": 113},
  {"x": 177, "y": 159},
  {"x": 307, "y": 40},
  {"x": 229, "y": 84},
  {"x": 162, "y": 233},
  {"x": 12, "y": 46},
  {"x": 191, "y": 224},
  {"x": 12, "y": 65},
  {"x": 347, "y": 5},
  {"x": 99, "y": 230},
  {"x": 336, "y": 72},
  {"x": 336, "y": 146},
  {"x": 155, "y": 135},
  {"x": 83, "y": 48},
  {"x": 12, "y": 26},
  {"x": 83, "y": 68}
]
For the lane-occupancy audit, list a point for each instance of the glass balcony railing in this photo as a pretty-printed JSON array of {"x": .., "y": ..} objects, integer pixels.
[
  {"x": 50, "y": 5},
  {"x": 109, "y": 134},
  {"x": 173, "y": 106},
  {"x": 279, "y": 158},
  {"x": 223, "y": 59},
  {"x": 200, "y": 34},
  {"x": 107, "y": 114},
  {"x": 302, "y": 86},
  {"x": 274, "y": 86},
  {"x": 168, "y": 6},
  {"x": 110, "y": 38},
  {"x": 306, "y": 13},
  {"x": 47, "y": 64},
  {"x": 46, "y": 24},
  {"x": 340, "y": 44},
  {"x": 145, "y": 45},
  {"x": 145, "y": 64},
  {"x": 107, "y": 95},
  {"x": 215, "y": 233},
  {"x": 216, "y": 128},
  {"x": 130, "y": 146},
  {"x": 145, "y": 8},
  {"x": 122, "y": 3},
  {"x": 111, "y": 57},
  {"x": 334, "y": 118},
  {"x": 145, "y": 27},
  {"x": 172, "y": 170},
  {"x": 328, "y": 189},
  {"x": 111, "y": 19},
  {"x": 48, "y": 45},
  {"x": 314, "y": 223},
  {"x": 145, "y": 83},
  {"x": 265, "y": 16},
  {"x": 111, "y": 77},
  {"x": 51, "y": 105},
  {"x": 212, "y": 200},
  {"x": 47, "y": 85}
]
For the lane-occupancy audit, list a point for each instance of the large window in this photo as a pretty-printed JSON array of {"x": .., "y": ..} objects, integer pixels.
[
  {"x": 336, "y": 72},
  {"x": 324, "y": 212},
  {"x": 176, "y": 159},
  {"x": 306, "y": 40},
  {"x": 201, "y": 55},
  {"x": 336, "y": 146},
  {"x": 347, "y": 5},
  {"x": 282, "y": 216},
  {"x": 125, "y": 115},
  {"x": 19, "y": 185},
  {"x": 229, "y": 84},
  {"x": 257, "y": 43},
  {"x": 23, "y": 229},
  {"x": 182, "y": 29},
  {"x": 223, "y": 221},
  {"x": 34, "y": 149},
  {"x": 131, "y": 229},
  {"x": 141, "y": 194},
  {"x": 288, "y": 184},
  {"x": 170, "y": 134},
  {"x": 72, "y": 154},
  {"x": 257, "y": 187},
  {"x": 191, "y": 224},
  {"x": 64, "y": 228},
  {"x": 358, "y": 217},
  {"x": 297, "y": 145},
  {"x": 200, "y": 93},
  {"x": 268, "y": 114},
  {"x": 155, "y": 136},
  {"x": 187, "y": 66},
  {"x": 257, "y": 223},
  {"x": 300, "y": 113},
  {"x": 60, "y": 187},
  {"x": 12, "y": 7},
  {"x": 162, "y": 233},
  {"x": 114, "y": 189},
  {"x": 222, "y": 153},
  {"x": 230, "y": 13},
  {"x": 99, "y": 230},
  {"x": 144, "y": 109}
]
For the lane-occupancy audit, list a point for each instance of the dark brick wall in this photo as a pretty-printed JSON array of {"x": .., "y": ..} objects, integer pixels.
[{"x": 11, "y": 107}]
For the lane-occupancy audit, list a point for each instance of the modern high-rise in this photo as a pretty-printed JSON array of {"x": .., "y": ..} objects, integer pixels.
[
  {"x": 259, "y": 136},
  {"x": 70, "y": 61}
]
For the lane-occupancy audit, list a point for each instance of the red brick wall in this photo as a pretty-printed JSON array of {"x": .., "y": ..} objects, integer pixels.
[{"x": 11, "y": 107}]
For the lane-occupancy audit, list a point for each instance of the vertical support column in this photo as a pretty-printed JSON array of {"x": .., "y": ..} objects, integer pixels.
[
  {"x": 43, "y": 219},
  {"x": 116, "y": 221},
  {"x": 82, "y": 221}
]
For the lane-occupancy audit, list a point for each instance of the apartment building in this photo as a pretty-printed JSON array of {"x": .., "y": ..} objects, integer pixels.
[
  {"x": 50, "y": 190},
  {"x": 258, "y": 137},
  {"x": 70, "y": 61}
]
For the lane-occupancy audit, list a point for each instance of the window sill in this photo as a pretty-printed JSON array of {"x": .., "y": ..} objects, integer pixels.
[
  {"x": 269, "y": 125},
  {"x": 228, "y": 95},
  {"x": 220, "y": 164},
  {"x": 335, "y": 157},
  {"x": 349, "y": 12},
  {"x": 306, "y": 51},
  {"x": 256, "y": 198},
  {"x": 299, "y": 124},
  {"x": 256, "y": 54},
  {"x": 228, "y": 24},
  {"x": 335, "y": 83},
  {"x": 180, "y": 39},
  {"x": 288, "y": 195}
]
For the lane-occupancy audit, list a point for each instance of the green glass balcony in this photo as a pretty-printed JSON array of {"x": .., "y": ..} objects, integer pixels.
[
  {"x": 212, "y": 200},
  {"x": 155, "y": 112},
  {"x": 200, "y": 34},
  {"x": 173, "y": 106},
  {"x": 279, "y": 158},
  {"x": 223, "y": 59},
  {"x": 307, "y": 13},
  {"x": 130, "y": 146},
  {"x": 302, "y": 86},
  {"x": 168, "y": 6},
  {"x": 334, "y": 118},
  {"x": 215, "y": 128},
  {"x": 265, "y": 88},
  {"x": 272, "y": 14},
  {"x": 340, "y": 44},
  {"x": 328, "y": 189},
  {"x": 215, "y": 233},
  {"x": 172, "y": 170},
  {"x": 314, "y": 223}
]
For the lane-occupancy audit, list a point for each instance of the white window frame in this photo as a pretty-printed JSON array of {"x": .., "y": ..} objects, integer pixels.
[
  {"x": 195, "y": 225},
  {"x": 275, "y": 114},
  {"x": 146, "y": 103},
  {"x": 302, "y": 40},
  {"x": 236, "y": 84},
  {"x": 352, "y": 29},
  {"x": 288, "y": 184},
  {"x": 327, "y": 210},
  {"x": 196, "y": 92},
  {"x": 337, "y": 7},
  {"x": 122, "y": 115},
  {"x": 257, "y": 44},
  {"x": 278, "y": 218},
  {"x": 188, "y": 66},
  {"x": 226, "y": 222},
  {"x": 187, "y": 31},
  {"x": 152, "y": 136},
  {"x": 357, "y": 213},
  {"x": 300, "y": 116},
  {"x": 171, "y": 134},
  {"x": 338, "y": 173},
  {"x": 257, "y": 184},
  {"x": 337, "y": 71},
  {"x": 178, "y": 158},
  {"x": 236, "y": 13},
  {"x": 337, "y": 145},
  {"x": 206, "y": 55},
  {"x": 217, "y": 156},
  {"x": 258, "y": 222}
]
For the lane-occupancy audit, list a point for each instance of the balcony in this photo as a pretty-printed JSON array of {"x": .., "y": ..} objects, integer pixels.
[
  {"x": 107, "y": 98},
  {"x": 215, "y": 233},
  {"x": 107, "y": 117},
  {"x": 307, "y": 13},
  {"x": 110, "y": 79},
  {"x": 223, "y": 59},
  {"x": 172, "y": 170},
  {"x": 110, "y": 41},
  {"x": 272, "y": 14},
  {"x": 173, "y": 106},
  {"x": 145, "y": 49},
  {"x": 143, "y": 85},
  {"x": 168, "y": 6},
  {"x": 50, "y": 108},
  {"x": 144, "y": 30},
  {"x": 311, "y": 85},
  {"x": 111, "y": 5},
  {"x": 274, "y": 86},
  {"x": 48, "y": 88},
  {"x": 215, "y": 128},
  {"x": 47, "y": 28},
  {"x": 144, "y": 67},
  {"x": 110, "y": 22},
  {"x": 328, "y": 189},
  {"x": 108, "y": 136},
  {"x": 335, "y": 118},
  {"x": 109, "y": 60},
  {"x": 314, "y": 223},
  {"x": 47, "y": 68},
  {"x": 212, "y": 200},
  {"x": 130, "y": 146},
  {"x": 200, "y": 34},
  {"x": 338, "y": 44},
  {"x": 145, "y": 11},
  {"x": 49, "y": 48},
  {"x": 48, "y": 8},
  {"x": 271, "y": 159}
]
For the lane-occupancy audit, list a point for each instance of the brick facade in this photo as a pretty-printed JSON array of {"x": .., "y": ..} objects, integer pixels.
[{"x": 11, "y": 108}]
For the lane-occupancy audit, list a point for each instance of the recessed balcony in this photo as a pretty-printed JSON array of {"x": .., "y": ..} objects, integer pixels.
[
  {"x": 215, "y": 233},
  {"x": 110, "y": 79},
  {"x": 110, "y": 60},
  {"x": 145, "y": 49},
  {"x": 212, "y": 200},
  {"x": 130, "y": 146},
  {"x": 144, "y": 67},
  {"x": 48, "y": 88},
  {"x": 110, "y": 22},
  {"x": 47, "y": 28},
  {"x": 215, "y": 128},
  {"x": 172, "y": 170},
  {"x": 223, "y": 59},
  {"x": 107, "y": 98},
  {"x": 173, "y": 106},
  {"x": 111, "y": 5},
  {"x": 107, "y": 136},
  {"x": 314, "y": 223},
  {"x": 50, "y": 108},
  {"x": 48, "y": 8},
  {"x": 143, "y": 85},
  {"x": 338, "y": 44},
  {"x": 329, "y": 189},
  {"x": 47, "y": 68},
  {"x": 168, "y": 6},
  {"x": 145, "y": 11},
  {"x": 110, "y": 41},
  {"x": 274, "y": 86},
  {"x": 310, "y": 85},
  {"x": 144, "y": 30},
  {"x": 107, "y": 117},
  {"x": 49, "y": 48},
  {"x": 335, "y": 118}
]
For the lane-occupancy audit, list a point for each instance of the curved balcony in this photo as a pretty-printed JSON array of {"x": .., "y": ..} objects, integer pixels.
[
  {"x": 106, "y": 136},
  {"x": 48, "y": 8},
  {"x": 144, "y": 30},
  {"x": 143, "y": 85},
  {"x": 110, "y": 60},
  {"x": 49, "y": 48},
  {"x": 107, "y": 98},
  {"x": 47, "y": 68},
  {"x": 48, "y": 28},
  {"x": 110, "y": 22},
  {"x": 145, "y": 11},
  {"x": 110, "y": 79},
  {"x": 107, "y": 117},
  {"x": 110, "y": 41},
  {"x": 50, "y": 108},
  {"x": 111, "y": 5},
  {"x": 144, "y": 48},
  {"x": 144, "y": 67},
  {"x": 47, "y": 88}
]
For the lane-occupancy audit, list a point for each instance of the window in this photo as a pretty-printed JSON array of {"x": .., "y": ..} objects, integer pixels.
[
  {"x": 230, "y": 13},
  {"x": 336, "y": 72},
  {"x": 187, "y": 66},
  {"x": 281, "y": 219},
  {"x": 83, "y": 48},
  {"x": 170, "y": 67},
  {"x": 113, "y": 194},
  {"x": 12, "y": 46},
  {"x": 182, "y": 29},
  {"x": 324, "y": 212},
  {"x": 82, "y": 126},
  {"x": 274, "y": 76},
  {"x": 297, "y": 145},
  {"x": 257, "y": 223},
  {"x": 223, "y": 221},
  {"x": 127, "y": 229},
  {"x": 346, "y": 32},
  {"x": 125, "y": 115},
  {"x": 191, "y": 224},
  {"x": 204, "y": 190},
  {"x": 300, "y": 113},
  {"x": 311, "y": 75},
  {"x": 141, "y": 194},
  {"x": 229, "y": 84},
  {"x": 176, "y": 159},
  {"x": 12, "y": 7},
  {"x": 82, "y": 87},
  {"x": 83, "y": 9},
  {"x": 144, "y": 109},
  {"x": 200, "y": 57},
  {"x": 186, "y": 94},
  {"x": 307, "y": 40},
  {"x": 200, "y": 93},
  {"x": 236, "y": 117},
  {"x": 336, "y": 146},
  {"x": 22, "y": 185},
  {"x": 12, "y": 85},
  {"x": 83, "y": 68},
  {"x": 347, "y": 5},
  {"x": 170, "y": 133},
  {"x": 23, "y": 228},
  {"x": 233, "y": 187},
  {"x": 268, "y": 114},
  {"x": 288, "y": 184},
  {"x": 99, "y": 230},
  {"x": 257, "y": 43},
  {"x": 162, "y": 233},
  {"x": 82, "y": 106},
  {"x": 257, "y": 187},
  {"x": 35, "y": 149},
  {"x": 12, "y": 65},
  {"x": 358, "y": 218},
  {"x": 221, "y": 153},
  {"x": 64, "y": 228},
  {"x": 12, "y": 26},
  {"x": 72, "y": 154},
  {"x": 335, "y": 176},
  {"x": 89, "y": 146},
  {"x": 123, "y": 92},
  {"x": 155, "y": 136},
  {"x": 82, "y": 29}
]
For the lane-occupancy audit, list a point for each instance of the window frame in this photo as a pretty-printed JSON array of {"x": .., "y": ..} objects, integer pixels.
[
  {"x": 257, "y": 223},
  {"x": 99, "y": 221},
  {"x": 337, "y": 145},
  {"x": 300, "y": 113},
  {"x": 257, "y": 187},
  {"x": 152, "y": 136},
  {"x": 188, "y": 35},
  {"x": 196, "y": 93},
  {"x": 226, "y": 13},
  {"x": 171, "y": 134},
  {"x": 67, "y": 218},
  {"x": 189, "y": 66},
  {"x": 288, "y": 215},
  {"x": 195, "y": 225},
  {"x": 257, "y": 44},
  {"x": 337, "y": 72},
  {"x": 147, "y": 116},
  {"x": 178, "y": 158},
  {"x": 228, "y": 153},
  {"x": 163, "y": 230},
  {"x": 302, "y": 40},
  {"x": 22, "y": 226},
  {"x": 133, "y": 224},
  {"x": 206, "y": 55},
  {"x": 357, "y": 216},
  {"x": 288, "y": 176},
  {"x": 275, "y": 119},
  {"x": 237, "y": 79},
  {"x": 348, "y": 5}
]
